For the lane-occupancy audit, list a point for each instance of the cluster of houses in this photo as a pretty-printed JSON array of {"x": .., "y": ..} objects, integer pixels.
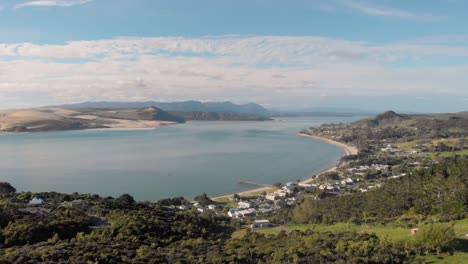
[
  {"x": 363, "y": 168},
  {"x": 285, "y": 191},
  {"x": 265, "y": 204},
  {"x": 389, "y": 149},
  {"x": 37, "y": 206},
  {"x": 248, "y": 209}
]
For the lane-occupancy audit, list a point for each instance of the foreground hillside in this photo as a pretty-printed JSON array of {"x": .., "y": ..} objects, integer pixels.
[{"x": 51, "y": 119}]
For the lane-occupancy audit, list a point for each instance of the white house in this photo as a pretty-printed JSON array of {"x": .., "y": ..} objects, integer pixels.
[
  {"x": 270, "y": 196},
  {"x": 212, "y": 206},
  {"x": 349, "y": 181},
  {"x": 247, "y": 212},
  {"x": 281, "y": 193},
  {"x": 183, "y": 207},
  {"x": 243, "y": 204},
  {"x": 36, "y": 201},
  {"x": 233, "y": 213},
  {"x": 260, "y": 224},
  {"x": 289, "y": 189}
]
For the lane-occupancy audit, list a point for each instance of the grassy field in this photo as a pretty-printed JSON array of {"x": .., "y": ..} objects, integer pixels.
[
  {"x": 395, "y": 235},
  {"x": 227, "y": 201},
  {"x": 250, "y": 194},
  {"x": 412, "y": 144},
  {"x": 451, "y": 153},
  {"x": 239, "y": 233}
]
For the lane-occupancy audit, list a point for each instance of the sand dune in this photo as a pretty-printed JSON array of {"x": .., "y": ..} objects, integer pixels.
[{"x": 47, "y": 119}]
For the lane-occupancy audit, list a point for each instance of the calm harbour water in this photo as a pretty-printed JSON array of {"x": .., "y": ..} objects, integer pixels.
[{"x": 181, "y": 160}]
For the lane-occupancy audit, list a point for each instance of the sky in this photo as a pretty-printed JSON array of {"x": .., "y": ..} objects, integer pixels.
[{"x": 404, "y": 55}]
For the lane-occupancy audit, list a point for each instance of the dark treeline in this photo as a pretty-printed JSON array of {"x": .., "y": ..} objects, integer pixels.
[{"x": 140, "y": 233}]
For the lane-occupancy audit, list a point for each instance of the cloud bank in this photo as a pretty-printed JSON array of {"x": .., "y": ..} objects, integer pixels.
[
  {"x": 265, "y": 69},
  {"x": 61, "y": 3}
]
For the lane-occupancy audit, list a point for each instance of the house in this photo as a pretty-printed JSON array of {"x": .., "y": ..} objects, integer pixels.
[
  {"x": 183, "y": 207},
  {"x": 290, "y": 201},
  {"x": 289, "y": 189},
  {"x": 270, "y": 196},
  {"x": 414, "y": 231},
  {"x": 258, "y": 224},
  {"x": 72, "y": 204},
  {"x": 265, "y": 210},
  {"x": 212, "y": 206},
  {"x": 233, "y": 213},
  {"x": 281, "y": 193},
  {"x": 199, "y": 208},
  {"x": 77, "y": 203},
  {"x": 243, "y": 204},
  {"x": 247, "y": 212},
  {"x": 305, "y": 185},
  {"x": 36, "y": 201}
]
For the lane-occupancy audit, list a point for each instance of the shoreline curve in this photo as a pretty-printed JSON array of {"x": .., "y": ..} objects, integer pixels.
[{"x": 349, "y": 149}]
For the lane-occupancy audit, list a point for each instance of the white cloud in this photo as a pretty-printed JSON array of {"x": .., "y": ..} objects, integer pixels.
[
  {"x": 266, "y": 69},
  {"x": 62, "y": 3},
  {"x": 381, "y": 11}
]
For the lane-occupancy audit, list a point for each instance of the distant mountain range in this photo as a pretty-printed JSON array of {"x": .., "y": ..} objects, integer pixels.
[
  {"x": 189, "y": 109},
  {"x": 186, "y": 106}
]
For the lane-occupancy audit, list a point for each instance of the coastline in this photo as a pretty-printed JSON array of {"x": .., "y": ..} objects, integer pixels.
[{"x": 349, "y": 149}]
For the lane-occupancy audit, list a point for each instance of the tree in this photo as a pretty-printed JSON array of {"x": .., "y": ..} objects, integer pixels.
[
  {"x": 236, "y": 197},
  {"x": 436, "y": 237},
  {"x": 126, "y": 199},
  {"x": 203, "y": 200},
  {"x": 6, "y": 188},
  {"x": 278, "y": 184}
]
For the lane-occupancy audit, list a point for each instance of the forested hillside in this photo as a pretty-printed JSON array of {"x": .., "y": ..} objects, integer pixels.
[{"x": 440, "y": 191}]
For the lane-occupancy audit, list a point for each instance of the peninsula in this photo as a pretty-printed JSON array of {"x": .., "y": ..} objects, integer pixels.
[{"x": 56, "y": 119}]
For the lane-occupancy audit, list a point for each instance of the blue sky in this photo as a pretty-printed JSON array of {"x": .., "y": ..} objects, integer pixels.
[{"x": 283, "y": 54}]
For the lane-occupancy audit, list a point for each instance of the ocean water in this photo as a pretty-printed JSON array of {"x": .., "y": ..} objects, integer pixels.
[{"x": 180, "y": 160}]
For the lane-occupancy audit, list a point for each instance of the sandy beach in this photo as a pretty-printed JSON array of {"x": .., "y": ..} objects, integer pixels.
[
  {"x": 349, "y": 149},
  {"x": 121, "y": 124}
]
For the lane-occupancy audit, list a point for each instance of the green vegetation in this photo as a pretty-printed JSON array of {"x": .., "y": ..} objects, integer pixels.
[
  {"x": 6, "y": 188},
  {"x": 440, "y": 190}
]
